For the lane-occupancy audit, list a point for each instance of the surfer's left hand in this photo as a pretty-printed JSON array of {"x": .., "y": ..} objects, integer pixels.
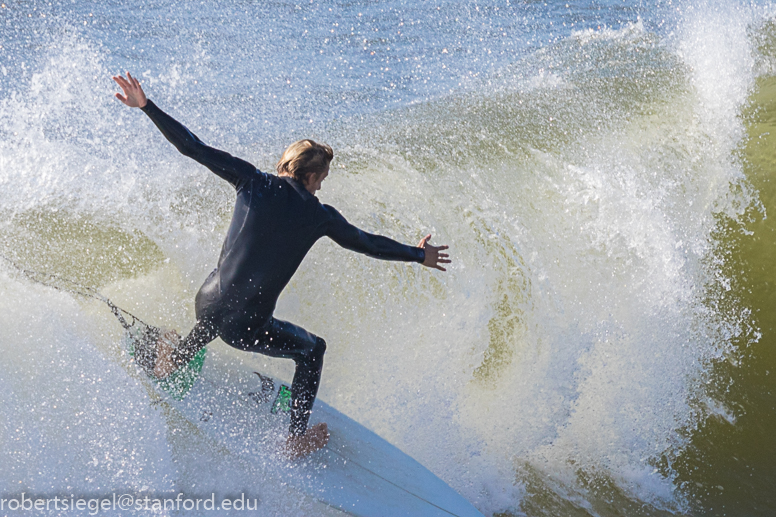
[
  {"x": 433, "y": 256},
  {"x": 134, "y": 97}
]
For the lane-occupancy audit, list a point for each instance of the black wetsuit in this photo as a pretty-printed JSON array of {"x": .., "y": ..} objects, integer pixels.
[{"x": 275, "y": 223}]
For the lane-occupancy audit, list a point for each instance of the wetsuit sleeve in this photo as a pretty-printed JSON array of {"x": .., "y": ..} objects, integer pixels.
[
  {"x": 233, "y": 170},
  {"x": 377, "y": 246}
]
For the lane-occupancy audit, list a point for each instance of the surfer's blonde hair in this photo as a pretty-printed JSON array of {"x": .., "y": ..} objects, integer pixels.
[{"x": 303, "y": 158}]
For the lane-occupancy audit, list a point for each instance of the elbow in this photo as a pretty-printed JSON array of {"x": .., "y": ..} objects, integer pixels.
[{"x": 188, "y": 150}]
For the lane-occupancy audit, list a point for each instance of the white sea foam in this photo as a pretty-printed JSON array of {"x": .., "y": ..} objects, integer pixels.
[
  {"x": 73, "y": 420},
  {"x": 630, "y": 32}
]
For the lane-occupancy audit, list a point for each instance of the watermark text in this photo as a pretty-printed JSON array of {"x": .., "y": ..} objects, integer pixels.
[{"x": 129, "y": 502}]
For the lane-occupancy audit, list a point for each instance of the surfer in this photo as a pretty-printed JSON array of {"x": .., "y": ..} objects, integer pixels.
[{"x": 276, "y": 220}]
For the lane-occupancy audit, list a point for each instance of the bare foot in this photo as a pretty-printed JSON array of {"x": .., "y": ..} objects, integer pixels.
[
  {"x": 164, "y": 365},
  {"x": 314, "y": 439}
]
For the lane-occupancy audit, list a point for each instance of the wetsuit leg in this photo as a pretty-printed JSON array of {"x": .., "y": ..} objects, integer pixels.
[
  {"x": 203, "y": 333},
  {"x": 282, "y": 339}
]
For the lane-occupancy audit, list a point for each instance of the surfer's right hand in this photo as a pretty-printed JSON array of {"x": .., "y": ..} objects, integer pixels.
[
  {"x": 134, "y": 97},
  {"x": 434, "y": 256}
]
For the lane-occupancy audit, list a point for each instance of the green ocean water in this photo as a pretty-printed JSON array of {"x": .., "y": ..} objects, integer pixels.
[{"x": 729, "y": 467}]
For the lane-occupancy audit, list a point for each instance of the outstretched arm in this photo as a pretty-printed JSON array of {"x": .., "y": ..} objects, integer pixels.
[
  {"x": 377, "y": 246},
  {"x": 233, "y": 170}
]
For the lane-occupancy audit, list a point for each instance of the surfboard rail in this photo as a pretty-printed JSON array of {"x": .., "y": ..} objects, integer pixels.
[{"x": 358, "y": 472}]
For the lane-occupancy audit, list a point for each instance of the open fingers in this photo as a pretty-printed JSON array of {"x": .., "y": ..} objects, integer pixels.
[
  {"x": 124, "y": 84},
  {"x": 438, "y": 259},
  {"x": 130, "y": 85},
  {"x": 136, "y": 83},
  {"x": 434, "y": 257},
  {"x": 133, "y": 81}
]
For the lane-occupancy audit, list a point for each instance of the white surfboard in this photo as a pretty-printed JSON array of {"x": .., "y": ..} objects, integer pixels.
[{"x": 357, "y": 472}]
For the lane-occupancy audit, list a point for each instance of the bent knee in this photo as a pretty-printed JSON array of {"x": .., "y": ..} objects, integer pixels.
[{"x": 320, "y": 347}]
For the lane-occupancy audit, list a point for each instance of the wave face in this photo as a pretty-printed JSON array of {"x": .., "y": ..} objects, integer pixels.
[{"x": 583, "y": 163}]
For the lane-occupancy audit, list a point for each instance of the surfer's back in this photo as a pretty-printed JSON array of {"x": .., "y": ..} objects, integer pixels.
[{"x": 275, "y": 223}]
